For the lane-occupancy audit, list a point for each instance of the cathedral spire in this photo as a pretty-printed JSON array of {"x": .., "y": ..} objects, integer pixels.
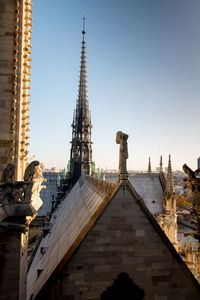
[
  {"x": 170, "y": 179},
  {"x": 82, "y": 96},
  {"x": 81, "y": 150},
  {"x": 149, "y": 166}
]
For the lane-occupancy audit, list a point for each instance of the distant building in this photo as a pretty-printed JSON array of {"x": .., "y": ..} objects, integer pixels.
[{"x": 198, "y": 163}]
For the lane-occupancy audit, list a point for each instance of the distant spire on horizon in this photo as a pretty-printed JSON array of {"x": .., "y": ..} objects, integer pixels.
[
  {"x": 149, "y": 166},
  {"x": 161, "y": 164}
]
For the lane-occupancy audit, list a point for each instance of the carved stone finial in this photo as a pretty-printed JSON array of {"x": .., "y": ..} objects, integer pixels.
[
  {"x": 169, "y": 189},
  {"x": 30, "y": 170},
  {"x": 121, "y": 138},
  {"x": 8, "y": 173}
]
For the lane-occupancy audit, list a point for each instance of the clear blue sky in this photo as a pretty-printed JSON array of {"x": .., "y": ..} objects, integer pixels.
[{"x": 143, "y": 73}]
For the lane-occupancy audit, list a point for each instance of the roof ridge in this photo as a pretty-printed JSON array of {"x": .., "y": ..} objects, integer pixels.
[{"x": 102, "y": 185}]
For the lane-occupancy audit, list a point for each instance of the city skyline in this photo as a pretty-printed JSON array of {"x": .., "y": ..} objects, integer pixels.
[{"x": 143, "y": 76}]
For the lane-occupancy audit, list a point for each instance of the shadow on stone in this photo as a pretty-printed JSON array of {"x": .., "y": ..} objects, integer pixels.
[{"x": 123, "y": 288}]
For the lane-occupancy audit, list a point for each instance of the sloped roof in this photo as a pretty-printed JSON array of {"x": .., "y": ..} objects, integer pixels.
[
  {"x": 75, "y": 216},
  {"x": 150, "y": 189},
  {"x": 70, "y": 223}
]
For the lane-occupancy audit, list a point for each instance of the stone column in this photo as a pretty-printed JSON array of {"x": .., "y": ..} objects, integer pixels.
[
  {"x": 13, "y": 260},
  {"x": 19, "y": 202}
]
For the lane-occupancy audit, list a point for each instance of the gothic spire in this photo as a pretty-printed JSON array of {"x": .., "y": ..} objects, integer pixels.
[
  {"x": 82, "y": 95},
  {"x": 149, "y": 166},
  {"x": 170, "y": 179},
  {"x": 81, "y": 151}
]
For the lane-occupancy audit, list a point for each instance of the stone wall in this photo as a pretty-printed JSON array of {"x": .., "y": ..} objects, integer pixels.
[
  {"x": 123, "y": 239},
  {"x": 23, "y": 266},
  {"x": 7, "y": 20},
  {"x": 9, "y": 264}
]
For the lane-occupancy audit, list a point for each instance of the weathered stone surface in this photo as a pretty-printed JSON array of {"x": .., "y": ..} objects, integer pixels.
[
  {"x": 6, "y": 72},
  {"x": 14, "y": 80},
  {"x": 141, "y": 250}
]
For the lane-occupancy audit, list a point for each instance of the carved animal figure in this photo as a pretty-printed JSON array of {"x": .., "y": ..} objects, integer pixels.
[
  {"x": 189, "y": 171},
  {"x": 30, "y": 170},
  {"x": 8, "y": 173}
]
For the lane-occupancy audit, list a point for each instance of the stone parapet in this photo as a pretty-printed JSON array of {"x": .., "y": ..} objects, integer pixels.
[{"x": 21, "y": 198}]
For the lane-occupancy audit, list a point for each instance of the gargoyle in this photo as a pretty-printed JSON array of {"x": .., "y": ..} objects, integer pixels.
[
  {"x": 30, "y": 171},
  {"x": 192, "y": 182},
  {"x": 8, "y": 173},
  {"x": 189, "y": 172}
]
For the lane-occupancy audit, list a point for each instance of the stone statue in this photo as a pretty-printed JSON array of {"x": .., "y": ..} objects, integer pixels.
[
  {"x": 30, "y": 170},
  {"x": 189, "y": 172},
  {"x": 192, "y": 182},
  {"x": 38, "y": 179},
  {"x": 121, "y": 138},
  {"x": 8, "y": 173}
]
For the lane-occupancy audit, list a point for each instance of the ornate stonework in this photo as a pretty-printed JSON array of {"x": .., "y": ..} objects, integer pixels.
[
  {"x": 21, "y": 198},
  {"x": 15, "y": 38},
  {"x": 81, "y": 149},
  {"x": 168, "y": 219},
  {"x": 192, "y": 183},
  {"x": 191, "y": 254},
  {"x": 19, "y": 203}
]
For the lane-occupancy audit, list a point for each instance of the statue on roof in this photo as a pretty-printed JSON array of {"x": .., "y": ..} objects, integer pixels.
[
  {"x": 31, "y": 170},
  {"x": 33, "y": 173},
  {"x": 121, "y": 138},
  {"x": 189, "y": 172},
  {"x": 192, "y": 182},
  {"x": 8, "y": 173}
]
